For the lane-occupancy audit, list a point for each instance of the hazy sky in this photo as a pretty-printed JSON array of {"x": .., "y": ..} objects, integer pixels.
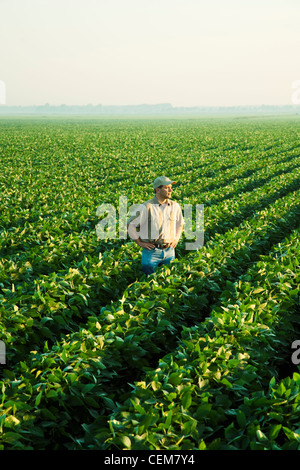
[{"x": 183, "y": 52}]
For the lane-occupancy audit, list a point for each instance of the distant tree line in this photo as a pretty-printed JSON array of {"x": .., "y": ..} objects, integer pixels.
[{"x": 162, "y": 108}]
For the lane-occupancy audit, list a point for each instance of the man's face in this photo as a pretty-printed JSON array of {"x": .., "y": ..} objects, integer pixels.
[{"x": 165, "y": 191}]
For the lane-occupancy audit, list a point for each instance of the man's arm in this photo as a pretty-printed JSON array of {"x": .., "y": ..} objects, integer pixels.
[
  {"x": 135, "y": 221},
  {"x": 137, "y": 239},
  {"x": 179, "y": 228}
]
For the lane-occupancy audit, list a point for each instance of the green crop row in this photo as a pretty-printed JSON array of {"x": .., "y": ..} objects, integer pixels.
[
  {"x": 88, "y": 370},
  {"x": 216, "y": 390},
  {"x": 217, "y": 176},
  {"x": 76, "y": 334},
  {"x": 253, "y": 177},
  {"x": 54, "y": 304}
]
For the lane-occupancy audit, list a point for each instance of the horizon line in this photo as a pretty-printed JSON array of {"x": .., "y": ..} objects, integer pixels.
[{"x": 152, "y": 104}]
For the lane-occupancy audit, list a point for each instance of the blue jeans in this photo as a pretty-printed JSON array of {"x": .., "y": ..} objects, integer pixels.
[{"x": 151, "y": 259}]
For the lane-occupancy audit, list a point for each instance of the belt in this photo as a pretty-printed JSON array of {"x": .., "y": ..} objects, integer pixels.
[{"x": 162, "y": 246}]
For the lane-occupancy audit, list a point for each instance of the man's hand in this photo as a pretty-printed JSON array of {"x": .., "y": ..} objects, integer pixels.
[
  {"x": 147, "y": 245},
  {"x": 151, "y": 246}
]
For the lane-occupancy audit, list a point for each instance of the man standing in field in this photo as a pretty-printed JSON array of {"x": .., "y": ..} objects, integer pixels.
[{"x": 156, "y": 226}]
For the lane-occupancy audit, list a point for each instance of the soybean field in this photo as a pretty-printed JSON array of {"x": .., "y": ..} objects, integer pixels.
[{"x": 201, "y": 355}]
